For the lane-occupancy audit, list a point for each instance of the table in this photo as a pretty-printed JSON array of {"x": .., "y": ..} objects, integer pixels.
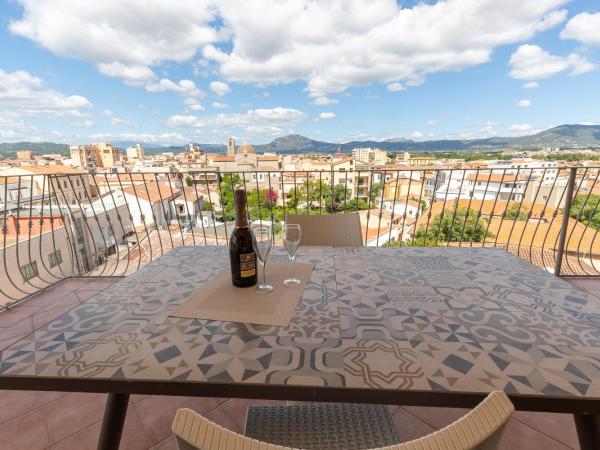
[{"x": 407, "y": 326}]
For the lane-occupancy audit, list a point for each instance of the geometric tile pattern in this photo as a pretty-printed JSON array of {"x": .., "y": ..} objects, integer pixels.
[{"x": 454, "y": 320}]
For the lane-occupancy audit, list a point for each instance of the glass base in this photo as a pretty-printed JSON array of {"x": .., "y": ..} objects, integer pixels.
[
  {"x": 291, "y": 281},
  {"x": 264, "y": 288}
]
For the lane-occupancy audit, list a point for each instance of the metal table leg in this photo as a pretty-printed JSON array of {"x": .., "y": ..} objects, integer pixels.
[
  {"x": 588, "y": 431},
  {"x": 113, "y": 421}
]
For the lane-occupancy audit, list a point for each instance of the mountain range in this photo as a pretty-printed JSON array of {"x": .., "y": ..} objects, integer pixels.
[{"x": 560, "y": 136}]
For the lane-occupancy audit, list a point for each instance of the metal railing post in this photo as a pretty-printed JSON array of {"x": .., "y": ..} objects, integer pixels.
[{"x": 565, "y": 222}]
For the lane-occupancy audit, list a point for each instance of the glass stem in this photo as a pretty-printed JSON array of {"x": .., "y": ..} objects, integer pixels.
[
  {"x": 265, "y": 272},
  {"x": 292, "y": 259}
]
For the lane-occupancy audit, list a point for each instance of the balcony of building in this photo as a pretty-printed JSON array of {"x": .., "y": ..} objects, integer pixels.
[{"x": 57, "y": 253}]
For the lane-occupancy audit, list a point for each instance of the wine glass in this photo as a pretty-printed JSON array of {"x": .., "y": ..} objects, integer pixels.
[
  {"x": 291, "y": 241},
  {"x": 261, "y": 241}
]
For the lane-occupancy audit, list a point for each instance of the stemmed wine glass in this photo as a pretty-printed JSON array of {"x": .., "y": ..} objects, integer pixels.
[
  {"x": 291, "y": 241},
  {"x": 261, "y": 241}
]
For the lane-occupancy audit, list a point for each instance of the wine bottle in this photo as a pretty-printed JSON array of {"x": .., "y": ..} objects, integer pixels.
[{"x": 241, "y": 251}]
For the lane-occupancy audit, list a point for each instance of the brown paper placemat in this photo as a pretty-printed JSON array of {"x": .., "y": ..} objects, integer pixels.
[{"x": 220, "y": 300}]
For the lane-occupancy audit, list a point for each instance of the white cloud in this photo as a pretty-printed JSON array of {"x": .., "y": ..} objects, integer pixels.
[
  {"x": 432, "y": 122},
  {"x": 327, "y": 116},
  {"x": 333, "y": 45},
  {"x": 523, "y": 103},
  {"x": 588, "y": 123},
  {"x": 163, "y": 138},
  {"x": 193, "y": 104},
  {"x": 489, "y": 129},
  {"x": 134, "y": 75},
  {"x": 220, "y": 88},
  {"x": 184, "y": 87},
  {"x": 330, "y": 45},
  {"x": 277, "y": 117},
  {"x": 220, "y": 105},
  {"x": 417, "y": 135},
  {"x": 264, "y": 130},
  {"x": 395, "y": 87},
  {"x": 82, "y": 124},
  {"x": 122, "y": 122},
  {"x": 520, "y": 129},
  {"x": 25, "y": 94},
  {"x": 531, "y": 85},
  {"x": 584, "y": 27},
  {"x": 324, "y": 101},
  {"x": 124, "y": 39},
  {"x": 531, "y": 62}
]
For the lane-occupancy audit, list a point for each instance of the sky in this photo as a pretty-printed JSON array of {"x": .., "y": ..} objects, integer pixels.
[{"x": 173, "y": 72}]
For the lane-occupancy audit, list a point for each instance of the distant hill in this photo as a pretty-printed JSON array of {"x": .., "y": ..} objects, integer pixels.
[
  {"x": 38, "y": 148},
  {"x": 560, "y": 136}
]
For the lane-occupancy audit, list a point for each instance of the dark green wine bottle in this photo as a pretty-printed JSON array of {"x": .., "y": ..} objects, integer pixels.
[{"x": 241, "y": 251}]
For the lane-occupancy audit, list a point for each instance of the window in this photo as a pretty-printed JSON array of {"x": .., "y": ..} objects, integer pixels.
[
  {"x": 65, "y": 184},
  {"x": 29, "y": 271},
  {"x": 55, "y": 258}
]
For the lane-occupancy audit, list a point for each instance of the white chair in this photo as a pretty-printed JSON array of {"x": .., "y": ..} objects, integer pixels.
[
  {"x": 335, "y": 230},
  {"x": 481, "y": 428}
]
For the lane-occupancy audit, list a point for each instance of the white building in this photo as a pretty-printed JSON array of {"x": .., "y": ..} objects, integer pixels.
[
  {"x": 135, "y": 153},
  {"x": 370, "y": 155},
  {"x": 494, "y": 186},
  {"x": 150, "y": 203}
]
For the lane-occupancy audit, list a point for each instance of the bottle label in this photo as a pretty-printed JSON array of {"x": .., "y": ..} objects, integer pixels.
[{"x": 247, "y": 265}]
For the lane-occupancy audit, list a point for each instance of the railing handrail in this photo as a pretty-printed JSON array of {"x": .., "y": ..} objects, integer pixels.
[{"x": 98, "y": 231}]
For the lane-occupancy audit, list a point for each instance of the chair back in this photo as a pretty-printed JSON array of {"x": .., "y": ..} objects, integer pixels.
[
  {"x": 480, "y": 428},
  {"x": 335, "y": 230}
]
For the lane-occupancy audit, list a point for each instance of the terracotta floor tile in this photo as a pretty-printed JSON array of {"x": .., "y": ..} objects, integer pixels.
[
  {"x": 48, "y": 315},
  {"x": 85, "y": 295},
  {"x": 168, "y": 444},
  {"x": 48, "y": 297},
  {"x": 68, "y": 299},
  {"x": 558, "y": 426},
  {"x": 137, "y": 398},
  {"x": 518, "y": 436},
  {"x": 15, "y": 403},
  {"x": 73, "y": 413},
  {"x": 220, "y": 417},
  {"x": 16, "y": 314},
  {"x": 133, "y": 437},
  {"x": 436, "y": 417},
  {"x": 23, "y": 326},
  {"x": 5, "y": 343},
  {"x": 409, "y": 427},
  {"x": 50, "y": 396},
  {"x": 592, "y": 285},
  {"x": 156, "y": 412},
  {"x": 26, "y": 432}
]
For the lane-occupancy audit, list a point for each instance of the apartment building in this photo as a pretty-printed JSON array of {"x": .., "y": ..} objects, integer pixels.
[
  {"x": 94, "y": 156},
  {"x": 528, "y": 167},
  {"x": 374, "y": 156},
  {"x": 492, "y": 186},
  {"x": 135, "y": 153},
  {"x": 69, "y": 185}
]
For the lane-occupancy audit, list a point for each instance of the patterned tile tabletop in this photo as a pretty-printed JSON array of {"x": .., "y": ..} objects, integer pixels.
[{"x": 455, "y": 320}]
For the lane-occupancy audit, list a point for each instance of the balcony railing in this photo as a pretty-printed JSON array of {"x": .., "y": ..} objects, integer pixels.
[{"x": 60, "y": 226}]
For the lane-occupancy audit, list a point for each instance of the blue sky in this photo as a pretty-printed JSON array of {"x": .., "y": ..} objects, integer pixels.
[{"x": 150, "y": 71}]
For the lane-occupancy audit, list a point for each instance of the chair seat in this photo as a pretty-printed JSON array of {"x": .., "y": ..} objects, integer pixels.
[{"x": 322, "y": 426}]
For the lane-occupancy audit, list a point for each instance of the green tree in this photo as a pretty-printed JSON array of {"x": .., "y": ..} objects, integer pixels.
[
  {"x": 188, "y": 181},
  {"x": 459, "y": 225},
  {"x": 228, "y": 183},
  {"x": 516, "y": 212},
  {"x": 587, "y": 212},
  {"x": 341, "y": 196}
]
